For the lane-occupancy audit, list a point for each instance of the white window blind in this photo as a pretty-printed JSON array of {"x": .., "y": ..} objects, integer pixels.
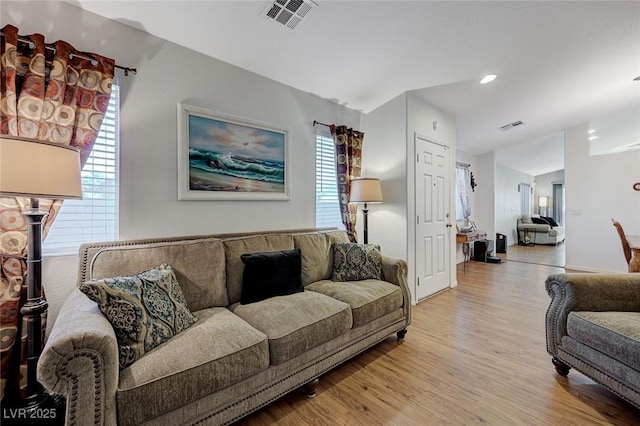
[
  {"x": 95, "y": 217},
  {"x": 327, "y": 205}
]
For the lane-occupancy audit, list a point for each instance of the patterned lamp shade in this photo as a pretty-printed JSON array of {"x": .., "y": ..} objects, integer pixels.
[
  {"x": 365, "y": 190},
  {"x": 32, "y": 168}
]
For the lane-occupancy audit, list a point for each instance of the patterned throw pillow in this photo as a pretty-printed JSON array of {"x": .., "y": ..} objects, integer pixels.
[
  {"x": 355, "y": 262},
  {"x": 145, "y": 310}
]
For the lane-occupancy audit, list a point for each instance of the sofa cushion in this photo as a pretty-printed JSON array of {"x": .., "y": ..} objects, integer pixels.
[
  {"x": 317, "y": 256},
  {"x": 270, "y": 274},
  {"x": 616, "y": 334},
  {"x": 551, "y": 220},
  {"x": 145, "y": 310},
  {"x": 199, "y": 266},
  {"x": 353, "y": 262},
  {"x": 369, "y": 299},
  {"x": 217, "y": 351},
  {"x": 297, "y": 322},
  {"x": 236, "y": 247},
  {"x": 317, "y": 253}
]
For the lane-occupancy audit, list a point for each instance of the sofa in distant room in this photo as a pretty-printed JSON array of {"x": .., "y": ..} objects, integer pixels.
[{"x": 535, "y": 229}]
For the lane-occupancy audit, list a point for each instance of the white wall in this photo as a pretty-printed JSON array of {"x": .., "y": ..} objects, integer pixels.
[
  {"x": 508, "y": 200},
  {"x": 472, "y": 160},
  {"x": 384, "y": 155},
  {"x": 486, "y": 194},
  {"x": 598, "y": 188},
  {"x": 168, "y": 74}
]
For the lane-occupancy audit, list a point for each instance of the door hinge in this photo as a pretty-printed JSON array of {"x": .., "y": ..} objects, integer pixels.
[
  {"x": 418, "y": 220},
  {"x": 417, "y": 158},
  {"x": 418, "y": 281}
]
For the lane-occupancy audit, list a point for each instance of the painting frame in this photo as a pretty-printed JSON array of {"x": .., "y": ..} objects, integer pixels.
[{"x": 212, "y": 144}]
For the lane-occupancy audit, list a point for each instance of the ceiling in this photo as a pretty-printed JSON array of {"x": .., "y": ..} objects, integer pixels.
[{"x": 559, "y": 64}]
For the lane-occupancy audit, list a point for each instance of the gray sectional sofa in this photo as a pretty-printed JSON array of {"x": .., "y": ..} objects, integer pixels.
[
  {"x": 236, "y": 357},
  {"x": 593, "y": 325}
]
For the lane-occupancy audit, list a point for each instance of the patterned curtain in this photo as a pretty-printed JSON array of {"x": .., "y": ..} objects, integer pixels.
[
  {"x": 51, "y": 93},
  {"x": 348, "y": 164}
]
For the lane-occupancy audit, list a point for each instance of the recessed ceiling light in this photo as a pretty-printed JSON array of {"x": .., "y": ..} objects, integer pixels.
[
  {"x": 488, "y": 78},
  {"x": 591, "y": 138},
  {"x": 592, "y": 131}
]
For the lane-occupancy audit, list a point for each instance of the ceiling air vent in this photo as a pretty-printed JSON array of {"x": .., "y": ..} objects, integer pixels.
[
  {"x": 290, "y": 13},
  {"x": 511, "y": 125}
]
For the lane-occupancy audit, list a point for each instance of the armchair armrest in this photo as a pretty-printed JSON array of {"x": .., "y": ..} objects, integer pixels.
[
  {"x": 395, "y": 272},
  {"x": 587, "y": 292},
  {"x": 80, "y": 361}
]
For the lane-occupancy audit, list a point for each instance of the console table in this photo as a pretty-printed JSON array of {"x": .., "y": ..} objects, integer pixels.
[{"x": 465, "y": 238}]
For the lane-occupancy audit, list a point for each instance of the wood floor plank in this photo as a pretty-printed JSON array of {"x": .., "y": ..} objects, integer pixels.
[{"x": 474, "y": 354}]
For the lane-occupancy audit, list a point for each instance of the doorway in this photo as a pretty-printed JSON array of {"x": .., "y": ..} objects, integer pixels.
[{"x": 433, "y": 221}]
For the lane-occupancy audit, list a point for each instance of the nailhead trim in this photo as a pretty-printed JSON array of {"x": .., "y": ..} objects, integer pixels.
[{"x": 72, "y": 397}]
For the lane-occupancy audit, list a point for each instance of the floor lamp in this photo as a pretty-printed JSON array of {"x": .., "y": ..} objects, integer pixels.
[
  {"x": 36, "y": 169},
  {"x": 365, "y": 190}
]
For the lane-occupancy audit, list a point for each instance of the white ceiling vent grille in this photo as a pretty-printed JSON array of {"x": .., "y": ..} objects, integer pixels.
[
  {"x": 290, "y": 13},
  {"x": 511, "y": 125}
]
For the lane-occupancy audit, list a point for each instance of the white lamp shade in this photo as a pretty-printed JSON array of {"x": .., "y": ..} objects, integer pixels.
[
  {"x": 32, "y": 168},
  {"x": 365, "y": 190},
  {"x": 543, "y": 201}
]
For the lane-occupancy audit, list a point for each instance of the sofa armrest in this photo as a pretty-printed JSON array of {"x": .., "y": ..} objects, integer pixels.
[
  {"x": 395, "y": 272},
  {"x": 587, "y": 292},
  {"x": 80, "y": 361}
]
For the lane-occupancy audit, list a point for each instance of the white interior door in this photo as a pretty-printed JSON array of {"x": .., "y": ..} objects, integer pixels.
[{"x": 432, "y": 218}]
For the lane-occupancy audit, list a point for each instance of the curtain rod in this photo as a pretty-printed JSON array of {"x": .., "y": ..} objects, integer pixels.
[
  {"x": 322, "y": 124},
  {"x": 458, "y": 163},
  {"x": 94, "y": 62}
]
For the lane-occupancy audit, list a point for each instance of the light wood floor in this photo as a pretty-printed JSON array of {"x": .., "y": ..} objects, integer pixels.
[
  {"x": 474, "y": 354},
  {"x": 540, "y": 254}
]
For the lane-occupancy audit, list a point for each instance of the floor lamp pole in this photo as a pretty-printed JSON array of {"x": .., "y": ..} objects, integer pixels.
[
  {"x": 35, "y": 305},
  {"x": 365, "y": 211}
]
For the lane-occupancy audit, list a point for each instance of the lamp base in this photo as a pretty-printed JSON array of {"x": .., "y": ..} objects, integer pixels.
[{"x": 41, "y": 409}]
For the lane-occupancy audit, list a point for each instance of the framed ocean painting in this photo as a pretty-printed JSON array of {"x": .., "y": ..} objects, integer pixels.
[{"x": 221, "y": 157}]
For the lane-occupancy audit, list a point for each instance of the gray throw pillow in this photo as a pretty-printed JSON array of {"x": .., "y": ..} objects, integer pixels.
[
  {"x": 145, "y": 309},
  {"x": 355, "y": 262}
]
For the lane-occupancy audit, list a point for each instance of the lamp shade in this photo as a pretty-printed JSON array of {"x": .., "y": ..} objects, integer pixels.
[
  {"x": 543, "y": 201},
  {"x": 365, "y": 190},
  {"x": 32, "y": 168}
]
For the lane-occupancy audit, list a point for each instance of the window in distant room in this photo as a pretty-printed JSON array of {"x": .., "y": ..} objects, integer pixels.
[
  {"x": 95, "y": 217},
  {"x": 327, "y": 205},
  {"x": 463, "y": 192}
]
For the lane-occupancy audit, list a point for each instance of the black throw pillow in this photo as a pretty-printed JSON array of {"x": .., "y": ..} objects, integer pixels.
[
  {"x": 551, "y": 220},
  {"x": 539, "y": 221},
  {"x": 270, "y": 274}
]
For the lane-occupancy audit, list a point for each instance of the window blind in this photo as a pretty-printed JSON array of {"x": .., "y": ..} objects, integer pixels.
[
  {"x": 95, "y": 217},
  {"x": 327, "y": 205}
]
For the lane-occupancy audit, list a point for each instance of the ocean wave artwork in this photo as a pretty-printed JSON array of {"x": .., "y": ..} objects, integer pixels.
[{"x": 225, "y": 156}]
